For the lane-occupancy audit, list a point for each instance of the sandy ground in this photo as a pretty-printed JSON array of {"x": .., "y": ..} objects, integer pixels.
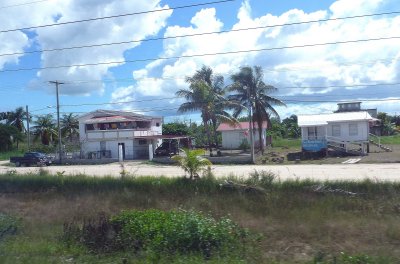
[{"x": 380, "y": 172}]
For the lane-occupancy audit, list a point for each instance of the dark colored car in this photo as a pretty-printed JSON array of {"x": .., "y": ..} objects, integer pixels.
[
  {"x": 167, "y": 148},
  {"x": 31, "y": 158}
]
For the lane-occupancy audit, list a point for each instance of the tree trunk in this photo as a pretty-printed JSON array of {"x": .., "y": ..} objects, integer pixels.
[
  {"x": 207, "y": 128},
  {"x": 214, "y": 123}
]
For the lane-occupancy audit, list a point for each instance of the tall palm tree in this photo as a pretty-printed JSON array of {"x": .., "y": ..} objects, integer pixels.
[
  {"x": 251, "y": 90},
  {"x": 16, "y": 118},
  {"x": 69, "y": 125},
  {"x": 45, "y": 129},
  {"x": 206, "y": 94}
]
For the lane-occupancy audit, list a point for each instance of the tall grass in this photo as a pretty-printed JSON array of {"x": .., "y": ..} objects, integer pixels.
[{"x": 286, "y": 142}]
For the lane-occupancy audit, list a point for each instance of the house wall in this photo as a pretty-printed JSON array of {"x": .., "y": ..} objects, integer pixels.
[
  {"x": 233, "y": 139},
  {"x": 362, "y": 127},
  {"x": 133, "y": 150}
]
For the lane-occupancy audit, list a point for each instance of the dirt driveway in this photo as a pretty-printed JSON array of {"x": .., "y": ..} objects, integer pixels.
[{"x": 381, "y": 172}]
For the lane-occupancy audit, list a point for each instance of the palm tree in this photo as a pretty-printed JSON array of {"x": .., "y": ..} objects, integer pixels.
[
  {"x": 45, "y": 129},
  {"x": 206, "y": 94},
  {"x": 69, "y": 125},
  {"x": 192, "y": 161},
  {"x": 16, "y": 118},
  {"x": 252, "y": 91}
]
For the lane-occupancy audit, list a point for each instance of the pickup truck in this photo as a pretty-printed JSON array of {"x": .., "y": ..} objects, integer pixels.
[{"x": 31, "y": 158}]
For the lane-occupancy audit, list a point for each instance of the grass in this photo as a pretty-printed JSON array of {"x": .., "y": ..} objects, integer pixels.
[
  {"x": 391, "y": 140},
  {"x": 8, "y": 154},
  {"x": 297, "y": 224},
  {"x": 286, "y": 143}
]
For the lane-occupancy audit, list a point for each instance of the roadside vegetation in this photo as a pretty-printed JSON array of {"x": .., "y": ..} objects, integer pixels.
[{"x": 278, "y": 221}]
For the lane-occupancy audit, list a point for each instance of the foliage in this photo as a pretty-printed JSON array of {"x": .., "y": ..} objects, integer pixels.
[
  {"x": 388, "y": 124},
  {"x": 206, "y": 94},
  {"x": 45, "y": 129},
  {"x": 16, "y": 118},
  {"x": 192, "y": 161},
  {"x": 345, "y": 258},
  {"x": 69, "y": 126},
  {"x": 8, "y": 134},
  {"x": 175, "y": 128},
  {"x": 160, "y": 232},
  {"x": 250, "y": 90},
  {"x": 8, "y": 225},
  {"x": 244, "y": 145},
  {"x": 261, "y": 178}
]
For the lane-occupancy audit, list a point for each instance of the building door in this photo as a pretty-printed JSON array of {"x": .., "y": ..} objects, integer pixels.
[{"x": 123, "y": 150}]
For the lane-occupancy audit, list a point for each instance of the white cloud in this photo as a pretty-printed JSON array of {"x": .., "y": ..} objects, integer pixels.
[
  {"x": 329, "y": 65},
  {"x": 78, "y": 34}
]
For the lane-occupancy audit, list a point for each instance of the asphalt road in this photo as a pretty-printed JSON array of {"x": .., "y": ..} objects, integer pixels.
[{"x": 380, "y": 172}]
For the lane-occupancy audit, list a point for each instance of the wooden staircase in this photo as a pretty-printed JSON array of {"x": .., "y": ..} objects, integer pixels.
[
  {"x": 376, "y": 141},
  {"x": 349, "y": 147}
]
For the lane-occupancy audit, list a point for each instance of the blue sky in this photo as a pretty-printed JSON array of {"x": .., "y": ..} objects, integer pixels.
[{"x": 334, "y": 72}]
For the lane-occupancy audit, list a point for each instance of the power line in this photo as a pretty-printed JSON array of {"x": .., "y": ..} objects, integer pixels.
[
  {"x": 196, "y": 34},
  {"x": 115, "y": 16},
  {"x": 201, "y": 55},
  {"x": 22, "y": 4},
  {"x": 176, "y": 97}
]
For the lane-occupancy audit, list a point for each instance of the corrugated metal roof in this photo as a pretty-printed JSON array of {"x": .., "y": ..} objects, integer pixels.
[
  {"x": 101, "y": 116},
  {"x": 240, "y": 126},
  {"x": 324, "y": 119}
]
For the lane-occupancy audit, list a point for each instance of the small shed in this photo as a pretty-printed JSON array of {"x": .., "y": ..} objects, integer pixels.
[{"x": 234, "y": 135}]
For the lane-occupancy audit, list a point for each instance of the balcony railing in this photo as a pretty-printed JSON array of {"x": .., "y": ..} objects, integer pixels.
[{"x": 119, "y": 134}]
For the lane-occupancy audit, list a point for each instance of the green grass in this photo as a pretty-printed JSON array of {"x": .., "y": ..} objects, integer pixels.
[
  {"x": 286, "y": 142},
  {"x": 297, "y": 224},
  {"x": 8, "y": 154},
  {"x": 391, "y": 140}
]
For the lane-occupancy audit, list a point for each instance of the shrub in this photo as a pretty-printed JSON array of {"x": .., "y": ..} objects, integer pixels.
[
  {"x": 161, "y": 232},
  {"x": 244, "y": 145},
  {"x": 261, "y": 178}
]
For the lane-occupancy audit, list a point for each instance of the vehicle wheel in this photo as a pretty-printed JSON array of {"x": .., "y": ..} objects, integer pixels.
[{"x": 17, "y": 164}]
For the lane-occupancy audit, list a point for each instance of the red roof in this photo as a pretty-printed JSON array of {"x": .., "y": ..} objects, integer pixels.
[{"x": 240, "y": 126}]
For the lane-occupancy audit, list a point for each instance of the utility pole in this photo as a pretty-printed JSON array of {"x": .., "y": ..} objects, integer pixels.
[
  {"x": 27, "y": 126},
  {"x": 250, "y": 125},
  {"x": 57, "y": 83}
]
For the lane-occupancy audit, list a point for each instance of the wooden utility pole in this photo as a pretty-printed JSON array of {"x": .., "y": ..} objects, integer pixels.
[
  {"x": 27, "y": 126},
  {"x": 57, "y": 83}
]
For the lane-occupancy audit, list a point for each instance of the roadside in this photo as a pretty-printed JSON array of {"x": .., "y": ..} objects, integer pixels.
[{"x": 325, "y": 172}]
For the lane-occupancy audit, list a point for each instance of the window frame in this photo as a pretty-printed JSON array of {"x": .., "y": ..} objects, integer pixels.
[
  {"x": 335, "y": 126},
  {"x": 351, "y": 131}
]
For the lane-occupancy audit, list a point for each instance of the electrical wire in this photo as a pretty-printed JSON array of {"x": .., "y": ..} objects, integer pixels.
[
  {"x": 201, "y": 55},
  {"x": 22, "y": 4},
  {"x": 115, "y": 16},
  {"x": 195, "y": 34}
]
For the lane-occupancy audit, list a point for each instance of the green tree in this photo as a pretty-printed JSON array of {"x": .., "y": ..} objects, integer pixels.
[
  {"x": 206, "y": 94},
  {"x": 192, "y": 162},
  {"x": 291, "y": 127},
  {"x": 251, "y": 91},
  {"x": 387, "y": 126},
  {"x": 45, "y": 129},
  {"x": 16, "y": 118},
  {"x": 8, "y": 134},
  {"x": 69, "y": 126},
  {"x": 175, "y": 128}
]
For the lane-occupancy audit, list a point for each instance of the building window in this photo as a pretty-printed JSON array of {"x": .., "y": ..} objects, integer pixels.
[
  {"x": 312, "y": 133},
  {"x": 102, "y": 145},
  {"x": 353, "y": 130},
  {"x": 335, "y": 130},
  {"x": 142, "y": 141},
  {"x": 157, "y": 124}
]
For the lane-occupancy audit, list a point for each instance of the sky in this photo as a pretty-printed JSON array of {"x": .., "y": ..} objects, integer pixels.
[{"x": 151, "y": 59}]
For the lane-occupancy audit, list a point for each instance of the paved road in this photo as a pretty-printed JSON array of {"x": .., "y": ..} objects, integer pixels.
[{"x": 382, "y": 172}]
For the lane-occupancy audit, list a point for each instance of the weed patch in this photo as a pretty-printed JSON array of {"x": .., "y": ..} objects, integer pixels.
[{"x": 162, "y": 232}]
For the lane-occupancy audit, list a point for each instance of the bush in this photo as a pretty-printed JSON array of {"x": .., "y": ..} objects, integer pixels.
[
  {"x": 244, "y": 145},
  {"x": 262, "y": 178},
  {"x": 161, "y": 232}
]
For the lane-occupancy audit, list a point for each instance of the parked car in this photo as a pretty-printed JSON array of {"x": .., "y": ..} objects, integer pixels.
[
  {"x": 167, "y": 148},
  {"x": 31, "y": 158}
]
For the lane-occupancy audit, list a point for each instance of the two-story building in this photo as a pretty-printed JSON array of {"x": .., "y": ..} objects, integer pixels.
[{"x": 119, "y": 134}]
